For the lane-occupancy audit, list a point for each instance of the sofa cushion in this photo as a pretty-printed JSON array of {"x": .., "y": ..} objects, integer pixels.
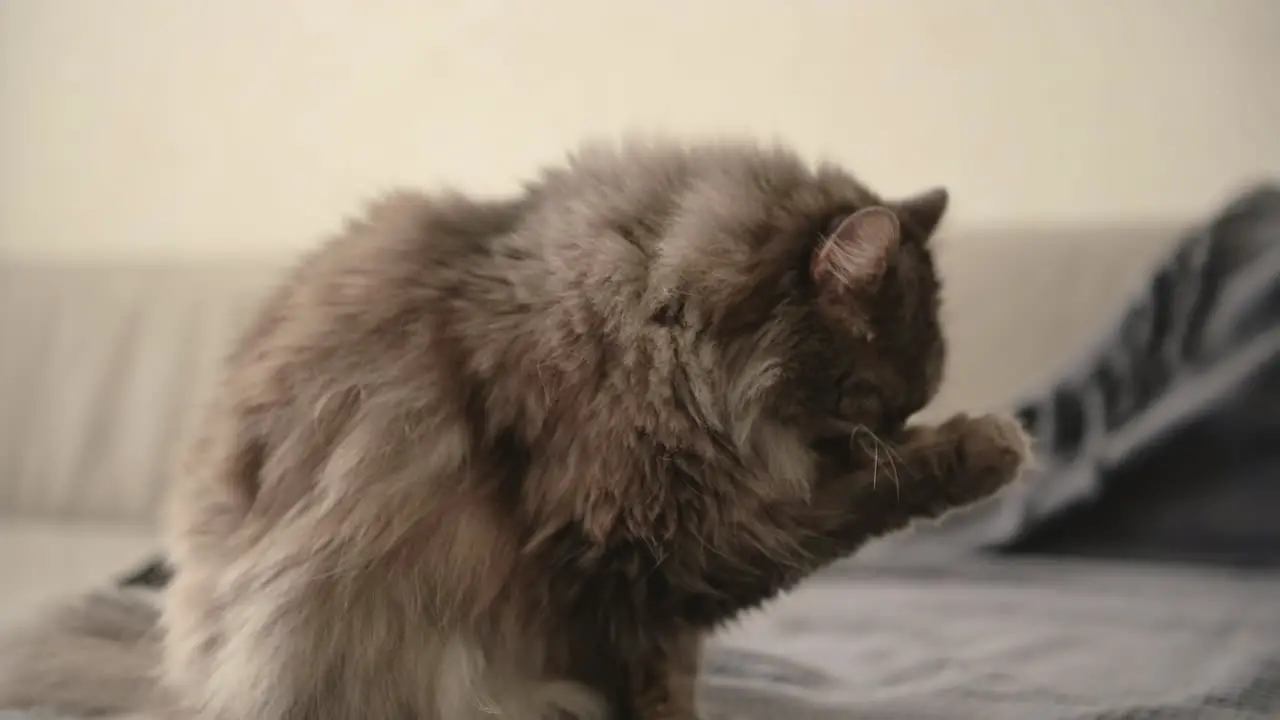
[{"x": 104, "y": 370}]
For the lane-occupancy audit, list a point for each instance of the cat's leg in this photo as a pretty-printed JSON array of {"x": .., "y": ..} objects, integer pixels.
[
  {"x": 290, "y": 638},
  {"x": 666, "y": 680},
  {"x": 884, "y": 486},
  {"x": 926, "y": 472}
]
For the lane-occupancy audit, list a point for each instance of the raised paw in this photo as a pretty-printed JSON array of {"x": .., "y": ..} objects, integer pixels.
[
  {"x": 991, "y": 452},
  {"x": 933, "y": 470}
]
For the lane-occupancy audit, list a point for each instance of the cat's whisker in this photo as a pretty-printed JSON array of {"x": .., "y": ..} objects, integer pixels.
[
  {"x": 891, "y": 456},
  {"x": 875, "y": 461},
  {"x": 888, "y": 448}
]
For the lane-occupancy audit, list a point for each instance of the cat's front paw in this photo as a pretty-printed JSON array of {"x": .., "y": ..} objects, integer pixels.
[{"x": 991, "y": 452}]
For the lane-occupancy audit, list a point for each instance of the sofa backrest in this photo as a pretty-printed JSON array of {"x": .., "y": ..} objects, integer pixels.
[{"x": 105, "y": 367}]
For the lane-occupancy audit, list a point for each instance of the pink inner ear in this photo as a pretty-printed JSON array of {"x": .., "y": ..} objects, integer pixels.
[{"x": 859, "y": 250}]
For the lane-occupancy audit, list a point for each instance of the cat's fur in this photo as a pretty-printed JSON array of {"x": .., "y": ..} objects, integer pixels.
[{"x": 516, "y": 457}]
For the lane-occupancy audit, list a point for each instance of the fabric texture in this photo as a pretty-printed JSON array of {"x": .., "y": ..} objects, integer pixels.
[
  {"x": 1008, "y": 639},
  {"x": 1175, "y": 422}
]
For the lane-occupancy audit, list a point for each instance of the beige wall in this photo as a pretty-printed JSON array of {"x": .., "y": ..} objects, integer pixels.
[{"x": 232, "y": 126}]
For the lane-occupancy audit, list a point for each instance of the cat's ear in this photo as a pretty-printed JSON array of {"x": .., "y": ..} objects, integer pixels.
[
  {"x": 857, "y": 253},
  {"x": 923, "y": 212}
]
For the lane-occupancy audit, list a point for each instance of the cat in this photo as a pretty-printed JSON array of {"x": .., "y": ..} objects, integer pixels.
[{"x": 517, "y": 457}]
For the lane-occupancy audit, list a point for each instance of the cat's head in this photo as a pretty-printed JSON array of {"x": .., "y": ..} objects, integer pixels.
[
  {"x": 785, "y": 292},
  {"x": 723, "y": 308}
]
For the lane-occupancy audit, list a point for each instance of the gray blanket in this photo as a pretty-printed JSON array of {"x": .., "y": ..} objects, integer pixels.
[
  {"x": 1008, "y": 639},
  {"x": 1003, "y": 639}
]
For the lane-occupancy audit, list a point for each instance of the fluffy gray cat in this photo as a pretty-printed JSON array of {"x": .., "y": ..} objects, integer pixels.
[{"x": 518, "y": 457}]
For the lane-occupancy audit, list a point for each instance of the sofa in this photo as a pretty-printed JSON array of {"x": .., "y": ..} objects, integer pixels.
[{"x": 106, "y": 363}]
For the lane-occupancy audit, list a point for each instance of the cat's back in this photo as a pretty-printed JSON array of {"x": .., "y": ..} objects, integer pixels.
[
  {"x": 378, "y": 280},
  {"x": 349, "y": 360}
]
